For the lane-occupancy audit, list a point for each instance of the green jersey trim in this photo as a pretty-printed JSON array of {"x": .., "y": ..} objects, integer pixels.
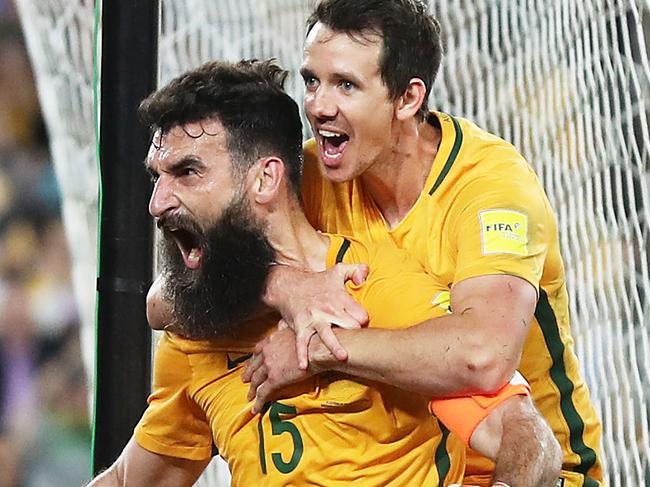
[
  {"x": 548, "y": 323},
  {"x": 452, "y": 155}
]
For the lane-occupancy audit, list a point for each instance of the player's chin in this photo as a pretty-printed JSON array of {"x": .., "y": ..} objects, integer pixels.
[
  {"x": 339, "y": 173},
  {"x": 336, "y": 176}
]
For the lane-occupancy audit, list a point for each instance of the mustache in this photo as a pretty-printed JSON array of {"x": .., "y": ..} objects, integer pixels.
[
  {"x": 211, "y": 301},
  {"x": 175, "y": 221}
]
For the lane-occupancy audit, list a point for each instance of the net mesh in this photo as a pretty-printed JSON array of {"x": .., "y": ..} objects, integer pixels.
[
  {"x": 59, "y": 37},
  {"x": 566, "y": 81}
]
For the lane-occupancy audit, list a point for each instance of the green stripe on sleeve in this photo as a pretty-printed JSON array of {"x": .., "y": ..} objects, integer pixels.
[
  {"x": 548, "y": 323},
  {"x": 443, "y": 462}
]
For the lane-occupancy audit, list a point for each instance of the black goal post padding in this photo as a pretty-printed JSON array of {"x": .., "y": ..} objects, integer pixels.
[{"x": 123, "y": 362}]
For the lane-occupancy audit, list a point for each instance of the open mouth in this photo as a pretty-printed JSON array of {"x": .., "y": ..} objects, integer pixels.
[
  {"x": 188, "y": 245},
  {"x": 332, "y": 144}
]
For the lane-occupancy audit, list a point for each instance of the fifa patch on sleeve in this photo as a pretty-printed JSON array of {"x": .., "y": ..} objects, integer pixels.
[
  {"x": 504, "y": 232},
  {"x": 443, "y": 300}
]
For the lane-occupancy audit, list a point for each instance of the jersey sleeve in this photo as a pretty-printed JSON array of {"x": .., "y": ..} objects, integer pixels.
[
  {"x": 501, "y": 223},
  {"x": 173, "y": 425},
  {"x": 461, "y": 415}
]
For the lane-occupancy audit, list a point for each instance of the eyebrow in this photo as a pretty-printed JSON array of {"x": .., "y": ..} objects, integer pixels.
[
  {"x": 306, "y": 73},
  {"x": 185, "y": 162},
  {"x": 348, "y": 76},
  {"x": 339, "y": 75},
  {"x": 176, "y": 166}
]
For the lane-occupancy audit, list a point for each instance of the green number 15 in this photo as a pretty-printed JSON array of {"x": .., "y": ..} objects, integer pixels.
[{"x": 279, "y": 426}]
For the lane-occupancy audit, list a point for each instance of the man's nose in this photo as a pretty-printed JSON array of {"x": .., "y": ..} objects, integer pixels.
[
  {"x": 163, "y": 198},
  {"x": 321, "y": 103}
]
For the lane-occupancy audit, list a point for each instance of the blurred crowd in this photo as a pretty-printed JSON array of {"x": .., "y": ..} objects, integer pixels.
[{"x": 44, "y": 425}]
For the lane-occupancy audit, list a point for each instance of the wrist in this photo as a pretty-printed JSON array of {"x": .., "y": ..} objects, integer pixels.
[{"x": 321, "y": 359}]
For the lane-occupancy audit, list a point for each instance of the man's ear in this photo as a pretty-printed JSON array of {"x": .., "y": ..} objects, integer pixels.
[
  {"x": 411, "y": 100},
  {"x": 268, "y": 179}
]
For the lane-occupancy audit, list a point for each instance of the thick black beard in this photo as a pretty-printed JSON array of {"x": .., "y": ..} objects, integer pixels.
[{"x": 211, "y": 301}]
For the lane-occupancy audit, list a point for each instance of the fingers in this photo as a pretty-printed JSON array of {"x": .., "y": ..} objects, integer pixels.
[
  {"x": 257, "y": 380},
  {"x": 355, "y": 272},
  {"x": 253, "y": 364},
  {"x": 259, "y": 346},
  {"x": 357, "y": 312},
  {"x": 360, "y": 274},
  {"x": 302, "y": 344},
  {"x": 260, "y": 400},
  {"x": 352, "y": 317},
  {"x": 329, "y": 339}
]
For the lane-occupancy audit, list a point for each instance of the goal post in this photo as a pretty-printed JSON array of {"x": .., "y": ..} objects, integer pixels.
[
  {"x": 566, "y": 81},
  {"x": 128, "y": 51}
]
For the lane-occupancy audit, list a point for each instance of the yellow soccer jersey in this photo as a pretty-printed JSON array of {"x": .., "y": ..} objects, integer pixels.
[
  {"x": 483, "y": 211},
  {"x": 331, "y": 430}
]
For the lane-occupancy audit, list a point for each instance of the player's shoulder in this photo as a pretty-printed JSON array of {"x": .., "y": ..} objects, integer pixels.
[
  {"x": 469, "y": 134},
  {"x": 479, "y": 150},
  {"x": 190, "y": 347},
  {"x": 481, "y": 162},
  {"x": 346, "y": 249},
  {"x": 206, "y": 361}
]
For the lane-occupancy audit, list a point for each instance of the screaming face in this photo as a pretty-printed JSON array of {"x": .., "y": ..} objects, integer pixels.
[
  {"x": 215, "y": 254},
  {"x": 346, "y": 101},
  {"x": 215, "y": 277}
]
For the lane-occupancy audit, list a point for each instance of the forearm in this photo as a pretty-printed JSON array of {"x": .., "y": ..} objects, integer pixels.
[
  {"x": 137, "y": 466},
  {"x": 529, "y": 455},
  {"x": 442, "y": 357},
  {"x": 112, "y": 477}
]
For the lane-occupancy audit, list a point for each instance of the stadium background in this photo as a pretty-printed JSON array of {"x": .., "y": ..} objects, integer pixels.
[{"x": 44, "y": 423}]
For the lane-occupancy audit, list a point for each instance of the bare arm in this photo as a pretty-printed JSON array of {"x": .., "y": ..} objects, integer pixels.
[
  {"x": 520, "y": 442},
  {"x": 137, "y": 466},
  {"x": 311, "y": 302},
  {"x": 159, "y": 312},
  {"x": 474, "y": 350}
]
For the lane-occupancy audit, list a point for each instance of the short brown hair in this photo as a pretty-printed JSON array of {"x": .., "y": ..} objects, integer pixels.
[
  {"x": 412, "y": 45},
  {"x": 248, "y": 99}
]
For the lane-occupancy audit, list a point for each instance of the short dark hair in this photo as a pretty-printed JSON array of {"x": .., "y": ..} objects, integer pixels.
[
  {"x": 412, "y": 45},
  {"x": 249, "y": 100}
]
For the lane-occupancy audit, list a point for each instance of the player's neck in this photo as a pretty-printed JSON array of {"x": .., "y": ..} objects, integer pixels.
[
  {"x": 395, "y": 183},
  {"x": 296, "y": 242}
]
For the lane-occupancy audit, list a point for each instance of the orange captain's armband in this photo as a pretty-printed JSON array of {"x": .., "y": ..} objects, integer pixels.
[{"x": 461, "y": 415}]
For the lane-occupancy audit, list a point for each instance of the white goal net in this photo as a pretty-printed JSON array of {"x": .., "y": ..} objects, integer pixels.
[{"x": 566, "y": 81}]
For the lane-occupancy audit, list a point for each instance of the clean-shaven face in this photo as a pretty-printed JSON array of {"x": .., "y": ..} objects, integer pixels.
[{"x": 346, "y": 101}]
